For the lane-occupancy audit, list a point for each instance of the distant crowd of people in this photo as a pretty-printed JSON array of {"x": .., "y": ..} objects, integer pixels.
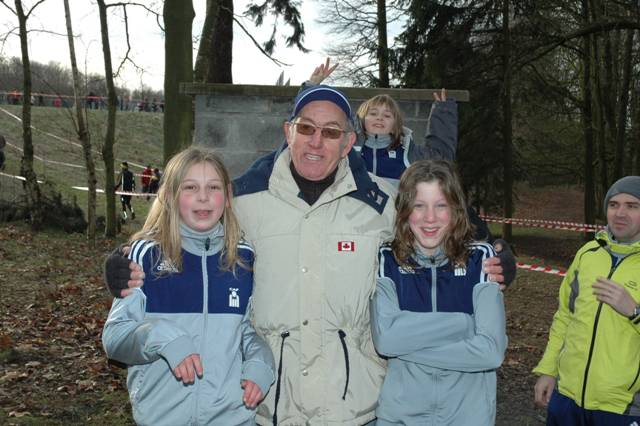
[{"x": 92, "y": 101}]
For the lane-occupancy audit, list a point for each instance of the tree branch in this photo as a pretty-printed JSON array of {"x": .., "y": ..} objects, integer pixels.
[
  {"x": 255, "y": 42},
  {"x": 38, "y": 3}
]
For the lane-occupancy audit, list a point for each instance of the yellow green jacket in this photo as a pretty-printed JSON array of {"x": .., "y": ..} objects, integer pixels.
[{"x": 593, "y": 351}]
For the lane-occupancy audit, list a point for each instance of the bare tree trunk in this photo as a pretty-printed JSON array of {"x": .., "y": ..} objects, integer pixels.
[
  {"x": 608, "y": 92},
  {"x": 383, "y": 48},
  {"x": 178, "y": 66},
  {"x": 214, "y": 59},
  {"x": 618, "y": 169},
  {"x": 109, "y": 138},
  {"x": 635, "y": 131},
  {"x": 587, "y": 126},
  {"x": 34, "y": 203},
  {"x": 506, "y": 126},
  {"x": 598, "y": 119},
  {"x": 83, "y": 133}
]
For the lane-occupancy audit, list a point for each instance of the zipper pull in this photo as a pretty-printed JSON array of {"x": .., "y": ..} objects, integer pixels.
[{"x": 207, "y": 243}]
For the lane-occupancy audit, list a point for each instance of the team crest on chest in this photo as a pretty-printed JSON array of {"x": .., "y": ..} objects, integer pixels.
[
  {"x": 234, "y": 298},
  {"x": 460, "y": 272}
]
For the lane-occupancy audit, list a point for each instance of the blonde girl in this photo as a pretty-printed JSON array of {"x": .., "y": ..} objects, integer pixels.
[{"x": 193, "y": 356}]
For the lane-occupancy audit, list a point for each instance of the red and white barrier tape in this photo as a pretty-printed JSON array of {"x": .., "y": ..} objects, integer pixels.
[
  {"x": 542, "y": 268},
  {"x": 538, "y": 223}
]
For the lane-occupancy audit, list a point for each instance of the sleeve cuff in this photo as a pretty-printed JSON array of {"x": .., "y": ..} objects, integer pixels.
[
  {"x": 177, "y": 350},
  {"x": 259, "y": 373}
]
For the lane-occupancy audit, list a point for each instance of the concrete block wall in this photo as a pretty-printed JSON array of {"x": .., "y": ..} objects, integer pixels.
[{"x": 244, "y": 122}]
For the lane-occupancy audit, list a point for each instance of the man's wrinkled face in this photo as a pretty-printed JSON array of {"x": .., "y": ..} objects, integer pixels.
[
  {"x": 623, "y": 217},
  {"x": 316, "y": 156}
]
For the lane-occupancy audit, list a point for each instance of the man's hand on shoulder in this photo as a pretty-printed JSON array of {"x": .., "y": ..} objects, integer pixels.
[
  {"x": 121, "y": 275},
  {"x": 502, "y": 267}
]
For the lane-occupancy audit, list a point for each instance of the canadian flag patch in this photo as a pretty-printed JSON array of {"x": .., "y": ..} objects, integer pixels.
[{"x": 346, "y": 246}]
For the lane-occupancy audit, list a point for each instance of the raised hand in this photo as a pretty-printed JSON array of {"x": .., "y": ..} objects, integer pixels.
[
  {"x": 322, "y": 71},
  {"x": 442, "y": 97}
]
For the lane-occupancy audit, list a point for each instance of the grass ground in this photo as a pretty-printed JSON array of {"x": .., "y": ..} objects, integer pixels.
[{"x": 138, "y": 141}]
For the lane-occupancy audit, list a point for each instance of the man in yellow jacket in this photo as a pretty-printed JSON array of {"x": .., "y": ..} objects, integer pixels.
[{"x": 590, "y": 371}]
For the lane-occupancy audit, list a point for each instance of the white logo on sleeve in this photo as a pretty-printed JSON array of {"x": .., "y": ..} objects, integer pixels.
[
  {"x": 166, "y": 266},
  {"x": 234, "y": 299}
]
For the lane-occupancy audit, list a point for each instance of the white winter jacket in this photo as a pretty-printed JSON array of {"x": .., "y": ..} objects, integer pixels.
[{"x": 315, "y": 273}]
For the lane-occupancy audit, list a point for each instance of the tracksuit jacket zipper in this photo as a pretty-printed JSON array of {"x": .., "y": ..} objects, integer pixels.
[
  {"x": 205, "y": 304},
  {"x": 593, "y": 335}
]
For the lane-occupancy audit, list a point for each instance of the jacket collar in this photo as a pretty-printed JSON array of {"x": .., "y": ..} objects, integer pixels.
[
  {"x": 256, "y": 179},
  {"x": 605, "y": 239},
  {"x": 407, "y": 137},
  {"x": 195, "y": 242}
]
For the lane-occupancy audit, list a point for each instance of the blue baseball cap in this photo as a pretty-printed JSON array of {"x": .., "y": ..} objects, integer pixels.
[{"x": 321, "y": 92}]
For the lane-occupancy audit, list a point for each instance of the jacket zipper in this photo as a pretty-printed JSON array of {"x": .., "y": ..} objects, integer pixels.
[
  {"x": 374, "y": 165},
  {"x": 342, "y": 335},
  {"x": 205, "y": 309},
  {"x": 593, "y": 335},
  {"x": 635, "y": 378},
  {"x": 434, "y": 282},
  {"x": 283, "y": 336}
]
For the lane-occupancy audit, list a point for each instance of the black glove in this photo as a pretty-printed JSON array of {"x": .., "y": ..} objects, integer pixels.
[
  {"x": 117, "y": 272},
  {"x": 507, "y": 261}
]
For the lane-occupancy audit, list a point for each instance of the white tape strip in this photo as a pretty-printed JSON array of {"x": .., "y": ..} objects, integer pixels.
[
  {"x": 101, "y": 191},
  {"x": 65, "y": 140}
]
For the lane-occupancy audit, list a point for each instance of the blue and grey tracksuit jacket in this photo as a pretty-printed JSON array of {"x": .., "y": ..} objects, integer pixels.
[
  {"x": 443, "y": 329},
  {"x": 440, "y": 143},
  {"x": 201, "y": 310}
]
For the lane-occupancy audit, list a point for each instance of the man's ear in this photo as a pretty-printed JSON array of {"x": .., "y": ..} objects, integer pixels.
[
  {"x": 351, "y": 139},
  {"x": 286, "y": 127}
]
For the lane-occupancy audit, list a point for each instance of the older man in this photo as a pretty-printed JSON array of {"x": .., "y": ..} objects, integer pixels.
[
  {"x": 589, "y": 374},
  {"x": 321, "y": 220},
  {"x": 316, "y": 218}
]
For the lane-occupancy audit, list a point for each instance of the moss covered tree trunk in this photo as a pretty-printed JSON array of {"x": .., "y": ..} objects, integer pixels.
[
  {"x": 178, "y": 68},
  {"x": 34, "y": 202},
  {"x": 214, "y": 59},
  {"x": 109, "y": 138},
  {"x": 83, "y": 132}
]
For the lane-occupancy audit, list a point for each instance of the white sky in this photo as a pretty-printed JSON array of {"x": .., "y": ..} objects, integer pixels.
[{"x": 147, "y": 43}]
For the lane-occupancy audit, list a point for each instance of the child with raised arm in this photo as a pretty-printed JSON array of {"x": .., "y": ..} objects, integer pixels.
[
  {"x": 185, "y": 335},
  {"x": 385, "y": 144},
  {"x": 435, "y": 314},
  {"x": 388, "y": 147}
]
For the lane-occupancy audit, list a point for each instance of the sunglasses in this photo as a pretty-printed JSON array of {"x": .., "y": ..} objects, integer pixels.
[{"x": 309, "y": 129}]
